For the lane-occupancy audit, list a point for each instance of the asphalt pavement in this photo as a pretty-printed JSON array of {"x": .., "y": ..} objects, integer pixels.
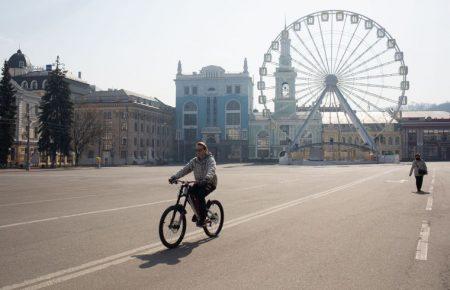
[{"x": 286, "y": 227}]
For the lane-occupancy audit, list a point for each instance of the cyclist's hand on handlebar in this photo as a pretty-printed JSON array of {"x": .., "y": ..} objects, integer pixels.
[{"x": 172, "y": 180}]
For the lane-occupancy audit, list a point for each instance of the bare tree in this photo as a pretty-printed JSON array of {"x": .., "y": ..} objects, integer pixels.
[{"x": 87, "y": 127}]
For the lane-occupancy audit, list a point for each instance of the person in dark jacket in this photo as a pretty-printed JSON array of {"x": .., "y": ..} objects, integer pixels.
[
  {"x": 204, "y": 168},
  {"x": 420, "y": 169}
]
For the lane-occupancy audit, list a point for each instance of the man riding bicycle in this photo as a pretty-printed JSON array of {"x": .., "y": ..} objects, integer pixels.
[{"x": 204, "y": 167}]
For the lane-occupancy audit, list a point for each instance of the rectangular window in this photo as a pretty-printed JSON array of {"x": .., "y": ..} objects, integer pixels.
[
  {"x": 233, "y": 119},
  {"x": 186, "y": 91},
  {"x": 190, "y": 120},
  {"x": 135, "y": 141},
  {"x": 208, "y": 111},
  {"x": 135, "y": 154},
  {"x": 91, "y": 154},
  {"x": 124, "y": 126},
  {"x": 190, "y": 134},
  {"x": 194, "y": 91},
  {"x": 124, "y": 141},
  {"x": 142, "y": 142},
  {"x": 107, "y": 115},
  {"x": 142, "y": 127},
  {"x": 123, "y": 154},
  {"x": 229, "y": 88},
  {"x": 215, "y": 112},
  {"x": 237, "y": 89},
  {"x": 233, "y": 134},
  {"x": 135, "y": 126}
]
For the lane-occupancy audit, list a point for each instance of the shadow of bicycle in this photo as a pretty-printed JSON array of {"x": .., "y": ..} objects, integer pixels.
[{"x": 170, "y": 257}]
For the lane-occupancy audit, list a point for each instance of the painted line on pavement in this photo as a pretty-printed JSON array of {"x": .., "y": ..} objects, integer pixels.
[
  {"x": 422, "y": 244},
  {"x": 97, "y": 265},
  {"x": 106, "y": 210},
  {"x": 84, "y": 213},
  {"x": 46, "y": 200},
  {"x": 429, "y": 205}
]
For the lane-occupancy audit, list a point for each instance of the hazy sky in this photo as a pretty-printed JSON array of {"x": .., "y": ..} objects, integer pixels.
[{"x": 136, "y": 44}]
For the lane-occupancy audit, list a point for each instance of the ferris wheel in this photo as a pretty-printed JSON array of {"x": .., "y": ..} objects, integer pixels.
[{"x": 343, "y": 65}]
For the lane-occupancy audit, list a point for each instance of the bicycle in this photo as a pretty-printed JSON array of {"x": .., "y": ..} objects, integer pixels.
[{"x": 176, "y": 225}]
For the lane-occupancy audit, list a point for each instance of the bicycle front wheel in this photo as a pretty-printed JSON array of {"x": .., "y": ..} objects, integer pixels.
[
  {"x": 172, "y": 227},
  {"x": 214, "y": 218}
]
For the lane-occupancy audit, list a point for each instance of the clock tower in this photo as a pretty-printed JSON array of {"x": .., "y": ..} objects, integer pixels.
[{"x": 285, "y": 103}]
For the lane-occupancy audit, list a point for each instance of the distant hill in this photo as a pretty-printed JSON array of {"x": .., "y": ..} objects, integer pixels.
[{"x": 428, "y": 107}]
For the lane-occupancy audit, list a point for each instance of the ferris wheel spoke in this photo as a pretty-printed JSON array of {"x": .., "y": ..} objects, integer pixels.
[
  {"x": 371, "y": 68},
  {"x": 316, "y": 70},
  {"x": 310, "y": 53},
  {"x": 372, "y": 77},
  {"x": 363, "y": 110},
  {"x": 348, "y": 44},
  {"x": 331, "y": 41},
  {"x": 309, "y": 80},
  {"x": 313, "y": 72},
  {"x": 340, "y": 40},
  {"x": 306, "y": 73},
  {"x": 307, "y": 88},
  {"x": 317, "y": 50},
  {"x": 349, "y": 92},
  {"x": 323, "y": 44},
  {"x": 344, "y": 74},
  {"x": 313, "y": 94},
  {"x": 343, "y": 71},
  {"x": 372, "y": 85},
  {"x": 370, "y": 94},
  {"x": 353, "y": 52}
]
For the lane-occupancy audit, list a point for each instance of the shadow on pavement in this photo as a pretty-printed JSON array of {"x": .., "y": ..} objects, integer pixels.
[
  {"x": 170, "y": 256},
  {"x": 421, "y": 192}
]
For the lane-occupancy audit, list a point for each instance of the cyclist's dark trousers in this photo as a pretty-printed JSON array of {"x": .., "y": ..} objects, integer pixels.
[
  {"x": 198, "y": 194},
  {"x": 419, "y": 181}
]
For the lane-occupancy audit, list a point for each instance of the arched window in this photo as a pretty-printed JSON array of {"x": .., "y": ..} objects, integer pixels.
[
  {"x": 190, "y": 107},
  {"x": 233, "y": 113},
  {"x": 34, "y": 85},
  {"x": 263, "y": 144},
  {"x": 24, "y": 84},
  {"x": 44, "y": 84}
]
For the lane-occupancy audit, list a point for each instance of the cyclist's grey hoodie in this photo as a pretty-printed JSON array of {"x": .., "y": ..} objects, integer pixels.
[{"x": 204, "y": 170}]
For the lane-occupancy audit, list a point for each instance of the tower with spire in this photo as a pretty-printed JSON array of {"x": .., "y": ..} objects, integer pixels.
[
  {"x": 285, "y": 75},
  {"x": 245, "y": 66},
  {"x": 179, "y": 71}
]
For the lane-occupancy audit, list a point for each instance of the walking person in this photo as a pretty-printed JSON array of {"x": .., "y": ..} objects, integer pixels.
[{"x": 420, "y": 169}]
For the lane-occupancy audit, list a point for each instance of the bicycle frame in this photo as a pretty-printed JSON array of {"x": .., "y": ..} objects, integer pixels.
[{"x": 183, "y": 192}]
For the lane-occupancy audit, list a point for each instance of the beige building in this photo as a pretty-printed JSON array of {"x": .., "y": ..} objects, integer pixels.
[
  {"x": 342, "y": 142},
  {"x": 136, "y": 129}
]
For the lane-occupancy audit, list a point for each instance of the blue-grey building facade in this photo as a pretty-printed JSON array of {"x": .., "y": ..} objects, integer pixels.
[{"x": 214, "y": 106}]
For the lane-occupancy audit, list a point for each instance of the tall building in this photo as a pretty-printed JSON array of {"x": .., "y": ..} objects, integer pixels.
[
  {"x": 213, "y": 106},
  {"x": 34, "y": 78},
  {"x": 136, "y": 129},
  {"x": 271, "y": 134}
]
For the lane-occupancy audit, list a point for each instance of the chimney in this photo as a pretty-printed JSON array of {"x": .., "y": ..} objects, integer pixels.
[{"x": 79, "y": 75}]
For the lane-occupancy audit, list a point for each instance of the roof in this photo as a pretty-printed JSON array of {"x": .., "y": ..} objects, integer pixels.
[
  {"x": 122, "y": 96},
  {"x": 19, "y": 60},
  {"x": 425, "y": 114}
]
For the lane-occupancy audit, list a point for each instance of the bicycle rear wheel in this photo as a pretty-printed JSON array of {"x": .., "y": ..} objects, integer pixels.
[
  {"x": 214, "y": 218},
  {"x": 172, "y": 227}
]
